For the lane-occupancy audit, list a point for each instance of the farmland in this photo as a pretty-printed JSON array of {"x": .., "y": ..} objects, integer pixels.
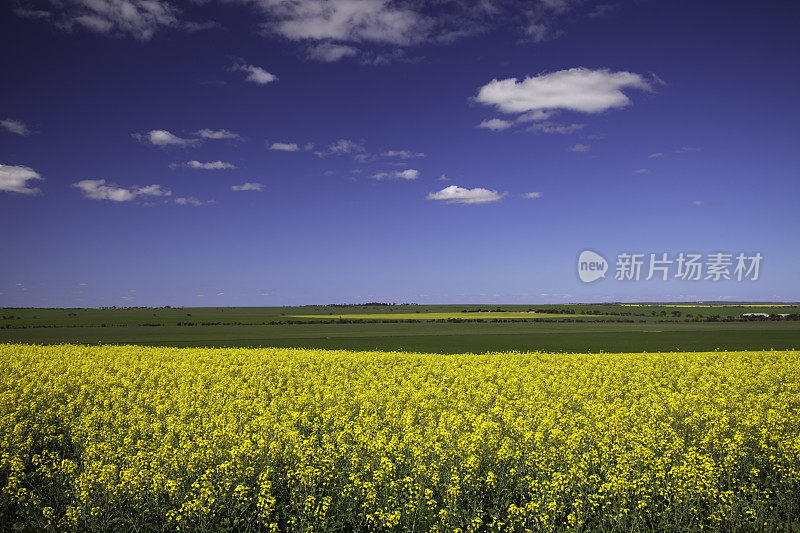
[
  {"x": 131, "y": 438},
  {"x": 440, "y": 329}
]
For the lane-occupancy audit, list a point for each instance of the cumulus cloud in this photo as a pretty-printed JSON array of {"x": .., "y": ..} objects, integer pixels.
[
  {"x": 407, "y": 174},
  {"x": 576, "y": 89},
  {"x": 532, "y": 195},
  {"x": 16, "y": 126},
  {"x": 206, "y": 133},
  {"x": 284, "y": 147},
  {"x": 256, "y": 74},
  {"x": 495, "y": 124},
  {"x": 402, "y": 154},
  {"x": 579, "y": 147},
  {"x": 100, "y": 190},
  {"x": 15, "y": 179},
  {"x": 139, "y": 19},
  {"x": 165, "y": 138},
  {"x": 258, "y": 187},
  {"x": 211, "y": 165},
  {"x": 328, "y": 52},
  {"x": 459, "y": 195}
]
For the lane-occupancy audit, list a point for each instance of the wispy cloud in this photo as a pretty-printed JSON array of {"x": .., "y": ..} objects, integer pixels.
[
  {"x": 343, "y": 147},
  {"x": 552, "y": 127},
  {"x": 579, "y": 147},
  {"x": 206, "y": 133},
  {"x": 211, "y": 165},
  {"x": 255, "y": 74},
  {"x": 100, "y": 190},
  {"x": 642, "y": 171},
  {"x": 328, "y": 52},
  {"x": 687, "y": 150},
  {"x": 284, "y": 147},
  {"x": 375, "y": 21},
  {"x": 402, "y": 154},
  {"x": 139, "y": 19},
  {"x": 257, "y": 187},
  {"x": 165, "y": 138},
  {"x": 191, "y": 201},
  {"x": 407, "y": 174},
  {"x": 532, "y": 195},
  {"x": 495, "y": 124},
  {"x": 459, "y": 195},
  {"x": 16, "y": 126},
  {"x": 15, "y": 179},
  {"x": 656, "y": 155}
]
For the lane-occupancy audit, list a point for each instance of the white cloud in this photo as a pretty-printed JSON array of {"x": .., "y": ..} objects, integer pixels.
[
  {"x": 153, "y": 190},
  {"x": 256, "y": 74},
  {"x": 258, "y": 187},
  {"x": 284, "y": 147},
  {"x": 377, "y": 21},
  {"x": 99, "y": 190},
  {"x": 165, "y": 138},
  {"x": 211, "y": 165},
  {"x": 191, "y": 200},
  {"x": 16, "y": 126},
  {"x": 206, "y": 133},
  {"x": 576, "y": 89},
  {"x": 532, "y": 195},
  {"x": 579, "y": 147},
  {"x": 342, "y": 147},
  {"x": 402, "y": 154},
  {"x": 15, "y": 179},
  {"x": 535, "y": 116},
  {"x": 552, "y": 127},
  {"x": 443, "y": 177},
  {"x": 642, "y": 171},
  {"x": 495, "y": 124},
  {"x": 459, "y": 195},
  {"x": 538, "y": 32},
  {"x": 656, "y": 155},
  {"x": 248, "y": 186},
  {"x": 139, "y": 19},
  {"x": 407, "y": 174},
  {"x": 331, "y": 52}
]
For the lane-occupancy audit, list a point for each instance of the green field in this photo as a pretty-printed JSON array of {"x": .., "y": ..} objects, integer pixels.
[
  {"x": 441, "y": 329},
  {"x": 482, "y": 315}
]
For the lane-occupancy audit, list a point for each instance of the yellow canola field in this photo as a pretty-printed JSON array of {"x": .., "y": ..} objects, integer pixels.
[{"x": 130, "y": 438}]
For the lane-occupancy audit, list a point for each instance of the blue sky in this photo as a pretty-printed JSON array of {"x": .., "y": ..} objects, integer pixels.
[{"x": 268, "y": 152}]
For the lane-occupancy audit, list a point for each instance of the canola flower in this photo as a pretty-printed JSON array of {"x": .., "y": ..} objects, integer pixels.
[{"x": 131, "y": 438}]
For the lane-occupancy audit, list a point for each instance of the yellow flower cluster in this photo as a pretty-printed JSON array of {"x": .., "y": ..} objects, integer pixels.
[{"x": 130, "y": 438}]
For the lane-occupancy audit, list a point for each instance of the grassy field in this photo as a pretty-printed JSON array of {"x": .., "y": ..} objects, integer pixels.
[
  {"x": 427, "y": 315},
  {"x": 442, "y": 329},
  {"x": 131, "y": 439}
]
